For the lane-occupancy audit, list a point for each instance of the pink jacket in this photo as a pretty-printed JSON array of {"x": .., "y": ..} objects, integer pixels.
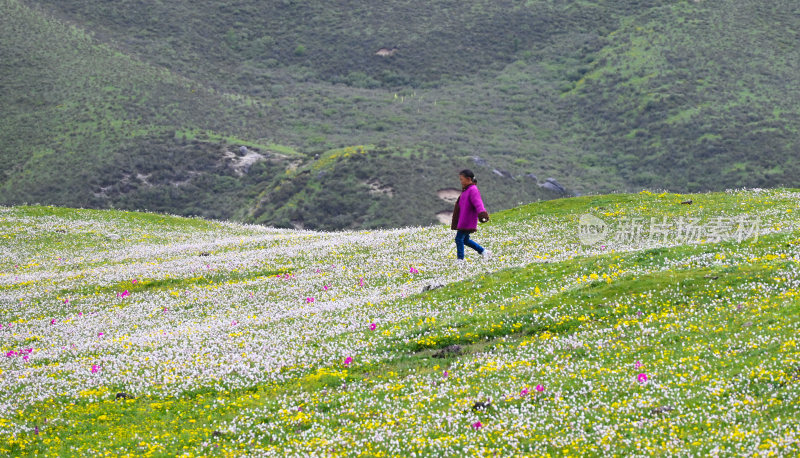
[{"x": 468, "y": 208}]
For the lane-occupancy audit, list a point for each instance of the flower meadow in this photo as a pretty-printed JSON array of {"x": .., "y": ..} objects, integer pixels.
[{"x": 136, "y": 334}]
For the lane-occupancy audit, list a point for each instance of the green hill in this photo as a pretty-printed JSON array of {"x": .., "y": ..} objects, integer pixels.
[
  {"x": 145, "y": 106},
  {"x": 139, "y": 333}
]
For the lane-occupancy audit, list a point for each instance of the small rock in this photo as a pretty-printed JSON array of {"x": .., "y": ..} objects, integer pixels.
[
  {"x": 432, "y": 286},
  {"x": 661, "y": 409},
  {"x": 553, "y": 185},
  {"x": 452, "y": 350},
  {"x": 480, "y": 405},
  {"x": 480, "y": 161},
  {"x": 687, "y": 202},
  {"x": 205, "y": 253},
  {"x": 747, "y": 324},
  {"x": 123, "y": 395},
  {"x": 216, "y": 434},
  {"x": 243, "y": 149}
]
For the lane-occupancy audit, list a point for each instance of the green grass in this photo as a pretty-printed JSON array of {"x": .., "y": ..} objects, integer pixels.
[{"x": 713, "y": 326}]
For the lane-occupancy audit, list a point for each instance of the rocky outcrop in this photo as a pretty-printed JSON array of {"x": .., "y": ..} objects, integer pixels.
[
  {"x": 241, "y": 163},
  {"x": 449, "y": 195},
  {"x": 553, "y": 185},
  {"x": 444, "y": 217}
]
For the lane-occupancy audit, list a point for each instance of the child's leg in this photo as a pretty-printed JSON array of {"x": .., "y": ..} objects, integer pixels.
[
  {"x": 460, "y": 235},
  {"x": 472, "y": 244}
]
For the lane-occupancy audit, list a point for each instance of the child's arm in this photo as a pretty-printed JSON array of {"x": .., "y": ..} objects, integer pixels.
[{"x": 477, "y": 202}]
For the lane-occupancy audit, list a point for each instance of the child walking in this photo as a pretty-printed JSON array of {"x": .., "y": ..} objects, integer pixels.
[{"x": 466, "y": 214}]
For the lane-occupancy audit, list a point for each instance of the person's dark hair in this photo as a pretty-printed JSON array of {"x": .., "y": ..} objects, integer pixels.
[{"x": 468, "y": 173}]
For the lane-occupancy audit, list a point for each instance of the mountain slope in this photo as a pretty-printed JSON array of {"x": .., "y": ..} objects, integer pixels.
[
  {"x": 686, "y": 92},
  {"x": 83, "y": 123},
  {"x": 144, "y": 105}
]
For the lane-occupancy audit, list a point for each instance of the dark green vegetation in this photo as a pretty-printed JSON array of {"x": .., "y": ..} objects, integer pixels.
[{"x": 135, "y": 104}]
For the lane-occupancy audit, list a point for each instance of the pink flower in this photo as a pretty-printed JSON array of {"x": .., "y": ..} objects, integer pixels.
[
  {"x": 445, "y": 375},
  {"x": 361, "y": 282},
  {"x": 642, "y": 378},
  {"x": 524, "y": 392},
  {"x": 372, "y": 326},
  {"x": 309, "y": 300},
  {"x": 100, "y": 334},
  {"x": 325, "y": 287},
  {"x": 66, "y": 301},
  {"x": 53, "y": 321},
  {"x": 539, "y": 388},
  {"x": 637, "y": 365},
  {"x": 412, "y": 270},
  {"x": 477, "y": 425},
  {"x": 348, "y": 360},
  {"x": 25, "y": 357},
  {"x": 123, "y": 294},
  {"x": 95, "y": 368}
]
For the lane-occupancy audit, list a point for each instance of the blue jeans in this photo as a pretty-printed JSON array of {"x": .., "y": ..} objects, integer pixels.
[{"x": 462, "y": 238}]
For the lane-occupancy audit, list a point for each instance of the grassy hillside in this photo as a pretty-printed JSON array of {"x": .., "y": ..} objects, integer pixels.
[
  {"x": 695, "y": 97},
  {"x": 85, "y": 125},
  {"x": 146, "y": 334},
  {"x": 89, "y": 126},
  {"x": 602, "y": 96},
  {"x": 261, "y": 42}
]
